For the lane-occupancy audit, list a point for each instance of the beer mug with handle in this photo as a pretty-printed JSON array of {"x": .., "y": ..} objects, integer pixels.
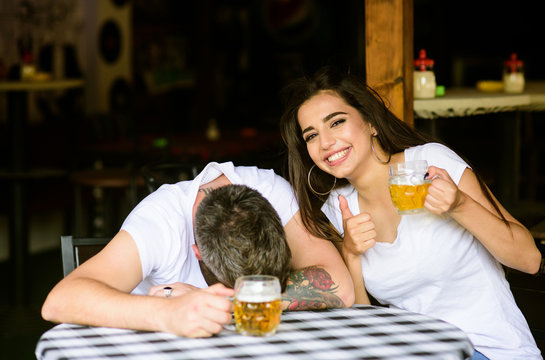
[{"x": 258, "y": 305}]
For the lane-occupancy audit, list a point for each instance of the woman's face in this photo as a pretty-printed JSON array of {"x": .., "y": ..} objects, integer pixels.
[{"x": 337, "y": 137}]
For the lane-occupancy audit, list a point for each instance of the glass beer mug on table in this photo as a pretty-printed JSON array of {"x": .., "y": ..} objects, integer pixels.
[
  {"x": 258, "y": 305},
  {"x": 408, "y": 186}
]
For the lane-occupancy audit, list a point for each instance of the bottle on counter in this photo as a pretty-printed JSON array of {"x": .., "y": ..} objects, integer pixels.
[
  {"x": 28, "y": 69},
  {"x": 27, "y": 66},
  {"x": 513, "y": 75},
  {"x": 424, "y": 77}
]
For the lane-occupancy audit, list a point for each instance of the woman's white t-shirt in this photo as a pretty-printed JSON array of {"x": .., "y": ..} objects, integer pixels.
[
  {"x": 162, "y": 223},
  {"x": 436, "y": 267}
]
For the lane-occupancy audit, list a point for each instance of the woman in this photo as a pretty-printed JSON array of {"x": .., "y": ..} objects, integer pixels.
[{"x": 445, "y": 262}]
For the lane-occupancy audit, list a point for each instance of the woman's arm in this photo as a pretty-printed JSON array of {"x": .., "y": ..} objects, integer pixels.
[
  {"x": 511, "y": 244},
  {"x": 359, "y": 236}
]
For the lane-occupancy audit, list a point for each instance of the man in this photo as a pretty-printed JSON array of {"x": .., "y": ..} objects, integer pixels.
[{"x": 156, "y": 248}]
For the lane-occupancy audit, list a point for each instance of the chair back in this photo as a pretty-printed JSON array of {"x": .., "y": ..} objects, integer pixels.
[
  {"x": 158, "y": 174},
  {"x": 75, "y": 251}
]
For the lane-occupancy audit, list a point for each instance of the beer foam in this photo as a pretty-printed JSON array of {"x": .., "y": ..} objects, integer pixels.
[{"x": 255, "y": 298}]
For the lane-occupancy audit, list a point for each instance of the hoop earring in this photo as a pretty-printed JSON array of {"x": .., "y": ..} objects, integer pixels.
[
  {"x": 375, "y": 152},
  {"x": 312, "y": 189}
]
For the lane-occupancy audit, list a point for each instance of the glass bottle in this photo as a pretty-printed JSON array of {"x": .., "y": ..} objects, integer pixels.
[
  {"x": 424, "y": 77},
  {"x": 513, "y": 75}
]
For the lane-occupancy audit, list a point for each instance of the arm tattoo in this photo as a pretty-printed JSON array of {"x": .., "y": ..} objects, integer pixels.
[{"x": 311, "y": 288}]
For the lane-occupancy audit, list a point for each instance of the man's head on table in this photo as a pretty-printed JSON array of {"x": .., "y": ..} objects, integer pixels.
[{"x": 238, "y": 232}]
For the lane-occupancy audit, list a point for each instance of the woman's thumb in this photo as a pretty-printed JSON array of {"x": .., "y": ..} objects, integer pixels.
[{"x": 345, "y": 210}]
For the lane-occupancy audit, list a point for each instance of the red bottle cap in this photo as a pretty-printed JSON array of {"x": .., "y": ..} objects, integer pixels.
[
  {"x": 423, "y": 63},
  {"x": 27, "y": 57},
  {"x": 513, "y": 63}
]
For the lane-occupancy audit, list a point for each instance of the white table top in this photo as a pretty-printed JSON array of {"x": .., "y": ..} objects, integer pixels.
[
  {"x": 363, "y": 332},
  {"x": 458, "y": 102}
]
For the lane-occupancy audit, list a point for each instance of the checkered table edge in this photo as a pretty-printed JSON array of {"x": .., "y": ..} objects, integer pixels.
[{"x": 361, "y": 332}]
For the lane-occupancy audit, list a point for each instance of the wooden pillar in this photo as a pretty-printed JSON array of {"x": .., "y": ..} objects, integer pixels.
[{"x": 389, "y": 53}]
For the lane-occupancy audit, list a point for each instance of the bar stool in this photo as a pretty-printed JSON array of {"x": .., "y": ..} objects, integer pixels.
[{"x": 107, "y": 210}]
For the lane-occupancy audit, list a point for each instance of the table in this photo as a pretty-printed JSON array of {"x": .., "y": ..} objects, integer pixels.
[
  {"x": 462, "y": 102},
  {"x": 360, "y": 332},
  {"x": 18, "y": 172},
  {"x": 459, "y": 102}
]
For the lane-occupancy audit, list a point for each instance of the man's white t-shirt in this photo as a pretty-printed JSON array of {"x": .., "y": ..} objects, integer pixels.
[
  {"x": 436, "y": 267},
  {"x": 162, "y": 224}
]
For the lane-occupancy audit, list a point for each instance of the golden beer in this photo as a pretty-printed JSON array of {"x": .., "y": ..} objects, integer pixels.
[
  {"x": 257, "y": 305},
  {"x": 257, "y": 318},
  {"x": 409, "y": 199},
  {"x": 408, "y": 186}
]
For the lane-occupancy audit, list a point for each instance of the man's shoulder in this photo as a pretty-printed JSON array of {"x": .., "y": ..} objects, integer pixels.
[
  {"x": 273, "y": 187},
  {"x": 253, "y": 175},
  {"x": 253, "y": 170}
]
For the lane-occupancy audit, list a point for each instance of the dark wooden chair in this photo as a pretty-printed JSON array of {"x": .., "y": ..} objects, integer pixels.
[
  {"x": 75, "y": 251},
  {"x": 529, "y": 293},
  {"x": 113, "y": 192}
]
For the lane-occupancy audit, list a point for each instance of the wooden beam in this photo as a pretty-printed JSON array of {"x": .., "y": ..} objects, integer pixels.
[{"x": 389, "y": 53}]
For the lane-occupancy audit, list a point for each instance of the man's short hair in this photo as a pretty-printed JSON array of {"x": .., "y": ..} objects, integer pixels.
[{"x": 238, "y": 232}]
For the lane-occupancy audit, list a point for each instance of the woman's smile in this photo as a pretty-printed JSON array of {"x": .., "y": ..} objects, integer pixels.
[{"x": 338, "y": 156}]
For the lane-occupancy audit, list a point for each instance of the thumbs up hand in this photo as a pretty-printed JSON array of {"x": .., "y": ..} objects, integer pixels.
[{"x": 359, "y": 230}]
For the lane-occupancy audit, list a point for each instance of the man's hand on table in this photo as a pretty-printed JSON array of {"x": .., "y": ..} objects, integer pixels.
[
  {"x": 194, "y": 312},
  {"x": 176, "y": 289}
]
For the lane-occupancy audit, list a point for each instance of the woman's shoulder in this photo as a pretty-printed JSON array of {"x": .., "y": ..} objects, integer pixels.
[
  {"x": 432, "y": 152},
  {"x": 439, "y": 155},
  {"x": 428, "y": 148}
]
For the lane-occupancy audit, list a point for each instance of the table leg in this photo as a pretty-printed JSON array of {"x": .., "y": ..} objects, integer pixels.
[
  {"x": 428, "y": 126},
  {"x": 509, "y": 151},
  {"x": 18, "y": 235},
  {"x": 18, "y": 222},
  {"x": 433, "y": 128}
]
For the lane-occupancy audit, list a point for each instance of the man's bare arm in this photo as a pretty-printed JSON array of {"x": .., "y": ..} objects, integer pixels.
[
  {"x": 97, "y": 293},
  {"x": 321, "y": 279},
  {"x": 311, "y": 288}
]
